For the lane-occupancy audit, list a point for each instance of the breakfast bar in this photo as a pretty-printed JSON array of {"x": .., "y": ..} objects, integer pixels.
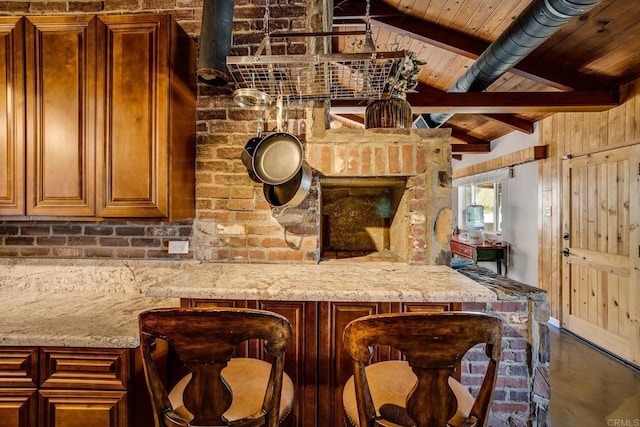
[{"x": 320, "y": 300}]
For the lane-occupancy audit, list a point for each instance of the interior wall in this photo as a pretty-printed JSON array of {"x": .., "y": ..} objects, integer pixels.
[
  {"x": 575, "y": 133},
  {"x": 519, "y": 206}
]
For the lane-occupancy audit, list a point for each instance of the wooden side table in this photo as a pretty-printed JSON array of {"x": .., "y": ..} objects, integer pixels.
[{"x": 480, "y": 252}]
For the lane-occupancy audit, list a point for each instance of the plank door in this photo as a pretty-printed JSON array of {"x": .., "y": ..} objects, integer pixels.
[{"x": 601, "y": 245}]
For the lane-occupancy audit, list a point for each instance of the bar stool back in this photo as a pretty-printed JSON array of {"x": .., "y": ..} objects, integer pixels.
[
  {"x": 421, "y": 391},
  {"x": 219, "y": 390}
]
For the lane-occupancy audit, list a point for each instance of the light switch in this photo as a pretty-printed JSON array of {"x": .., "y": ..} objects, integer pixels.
[{"x": 546, "y": 211}]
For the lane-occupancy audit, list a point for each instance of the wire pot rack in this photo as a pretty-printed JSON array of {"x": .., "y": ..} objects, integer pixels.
[{"x": 354, "y": 76}]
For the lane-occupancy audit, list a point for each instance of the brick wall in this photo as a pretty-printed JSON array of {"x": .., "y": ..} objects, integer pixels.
[{"x": 522, "y": 391}]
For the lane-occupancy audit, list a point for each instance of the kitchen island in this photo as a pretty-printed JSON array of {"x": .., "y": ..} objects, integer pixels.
[{"x": 320, "y": 300}]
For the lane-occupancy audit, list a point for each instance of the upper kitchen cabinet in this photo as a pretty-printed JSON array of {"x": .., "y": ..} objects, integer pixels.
[
  {"x": 61, "y": 101},
  {"x": 146, "y": 124},
  {"x": 12, "y": 173},
  {"x": 99, "y": 118}
]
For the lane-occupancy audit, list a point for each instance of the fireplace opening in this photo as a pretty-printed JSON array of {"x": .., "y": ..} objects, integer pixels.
[{"x": 364, "y": 218}]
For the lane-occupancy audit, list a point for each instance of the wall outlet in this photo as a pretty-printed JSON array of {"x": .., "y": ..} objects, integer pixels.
[{"x": 179, "y": 247}]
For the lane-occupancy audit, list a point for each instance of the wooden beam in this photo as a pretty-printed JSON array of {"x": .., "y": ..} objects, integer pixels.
[
  {"x": 385, "y": 16},
  {"x": 514, "y": 122},
  {"x": 499, "y": 102},
  {"x": 463, "y": 136},
  {"x": 530, "y": 154},
  {"x": 470, "y": 148}
]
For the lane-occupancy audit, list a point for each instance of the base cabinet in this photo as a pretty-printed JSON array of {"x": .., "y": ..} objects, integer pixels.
[
  {"x": 316, "y": 360},
  {"x": 72, "y": 387}
]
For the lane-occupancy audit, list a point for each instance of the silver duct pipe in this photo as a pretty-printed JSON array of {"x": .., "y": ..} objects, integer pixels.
[
  {"x": 535, "y": 24},
  {"x": 215, "y": 42}
]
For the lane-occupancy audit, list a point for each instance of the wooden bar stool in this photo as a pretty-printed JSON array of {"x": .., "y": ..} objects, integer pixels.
[
  {"x": 421, "y": 391},
  {"x": 218, "y": 390}
]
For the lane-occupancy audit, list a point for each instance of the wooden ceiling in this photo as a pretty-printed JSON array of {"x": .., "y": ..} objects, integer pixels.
[{"x": 579, "y": 68}]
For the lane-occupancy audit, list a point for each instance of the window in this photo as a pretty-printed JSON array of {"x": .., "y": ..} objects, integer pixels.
[{"x": 489, "y": 195}]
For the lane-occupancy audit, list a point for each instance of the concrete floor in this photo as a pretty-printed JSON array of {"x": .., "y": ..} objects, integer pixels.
[{"x": 590, "y": 388}]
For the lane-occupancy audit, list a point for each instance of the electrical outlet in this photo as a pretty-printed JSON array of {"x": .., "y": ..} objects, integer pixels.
[{"x": 179, "y": 247}]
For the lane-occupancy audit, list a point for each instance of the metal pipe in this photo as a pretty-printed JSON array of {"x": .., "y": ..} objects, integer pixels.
[
  {"x": 215, "y": 42},
  {"x": 529, "y": 30}
]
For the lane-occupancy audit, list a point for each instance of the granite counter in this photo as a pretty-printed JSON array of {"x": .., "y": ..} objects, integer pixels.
[{"x": 336, "y": 282}]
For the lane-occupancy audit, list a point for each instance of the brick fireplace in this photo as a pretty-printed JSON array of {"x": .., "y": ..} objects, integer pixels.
[{"x": 406, "y": 172}]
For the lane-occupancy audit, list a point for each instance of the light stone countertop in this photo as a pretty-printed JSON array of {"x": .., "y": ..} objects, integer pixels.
[
  {"x": 327, "y": 281},
  {"x": 74, "y": 319}
]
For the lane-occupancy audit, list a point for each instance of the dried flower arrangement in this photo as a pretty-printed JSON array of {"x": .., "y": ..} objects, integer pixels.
[{"x": 406, "y": 78}]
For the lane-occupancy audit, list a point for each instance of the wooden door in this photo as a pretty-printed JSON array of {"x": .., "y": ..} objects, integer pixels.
[
  {"x": 601, "y": 248},
  {"x": 61, "y": 97},
  {"x": 132, "y": 123},
  {"x": 12, "y": 116}
]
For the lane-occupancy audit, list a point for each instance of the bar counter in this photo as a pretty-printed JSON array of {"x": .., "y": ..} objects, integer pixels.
[{"x": 327, "y": 281}]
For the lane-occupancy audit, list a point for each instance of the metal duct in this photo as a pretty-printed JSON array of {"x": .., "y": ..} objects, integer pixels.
[
  {"x": 535, "y": 24},
  {"x": 215, "y": 42}
]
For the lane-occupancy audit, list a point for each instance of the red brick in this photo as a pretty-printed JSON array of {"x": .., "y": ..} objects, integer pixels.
[
  {"x": 408, "y": 167},
  {"x": 325, "y": 159},
  {"x": 250, "y": 217},
  {"x": 352, "y": 159},
  {"x": 19, "y": 241},
  {"x": 365, "y": 161},
  {"x": 380, "y": 161},
  {"x": 270, "y": 242},
  {"x": 339, "y": 159},
  {"x": 421, "y": 159},
  {"x": 232, "y": 179},
  {"x": 241, "y": 205},
  {"x": 109, "y": 241},
  {"x": 86, "y": 6},
  {"x": 242, "y": 192},
  {"x": 121, "y": 5},
  {"x": 35, "y": 230},
  {"x": 35, "y": 251},
  {"x": 51, "y": 241},
  {"x": 394, "y": 159},
  {"x": 510, "y": 407},
  {"x": 47, "y": 6},
  {"x": 98, "y": 253},
  {"x": 217, "y": 191},
  {"x": 289, "y": 255},
  {"x": 130, "y": 253},
  {"x": 82, "y": 241}
]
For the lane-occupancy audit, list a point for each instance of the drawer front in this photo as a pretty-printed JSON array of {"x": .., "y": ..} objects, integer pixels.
[
  {"x": 461, "y": 250},
  {"x": 85, "y": 368},
  {"x": 19, "y": 367}
]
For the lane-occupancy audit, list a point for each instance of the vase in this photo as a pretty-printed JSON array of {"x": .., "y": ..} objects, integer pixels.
[{"x": 388, "y": 113}]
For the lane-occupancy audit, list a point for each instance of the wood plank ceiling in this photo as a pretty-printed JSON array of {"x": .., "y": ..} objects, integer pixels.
[{"x": 579, "y": 68}]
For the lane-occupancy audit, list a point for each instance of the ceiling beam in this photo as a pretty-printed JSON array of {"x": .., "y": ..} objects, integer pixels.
[
  {"x": 387, "y": 17},
  {"x": 514, "y": 122},
  {"x": 462, "y": 135},
  {"x": 470, "y": 148},
  {"x": 499, "y": 102}
]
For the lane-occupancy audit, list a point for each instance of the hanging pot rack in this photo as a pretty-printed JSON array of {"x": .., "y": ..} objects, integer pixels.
[{"x": 365, "y": 75}]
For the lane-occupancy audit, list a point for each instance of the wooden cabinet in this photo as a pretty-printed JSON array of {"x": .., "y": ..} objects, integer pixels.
[
  {"x": 72, "y": 387},
  {"x": 107, "y": 104},
  {"x": 316, "y": 360},
  {"x": 12, "y": 167}
]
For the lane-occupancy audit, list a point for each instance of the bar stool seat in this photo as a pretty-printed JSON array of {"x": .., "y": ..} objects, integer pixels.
[{"x": 247, "y": 378}]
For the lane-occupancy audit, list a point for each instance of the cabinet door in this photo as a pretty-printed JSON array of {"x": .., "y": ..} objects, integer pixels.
[
  {"x": 82, "y": 408},
  {"x": 61, "y": 99},
  {"x": 337, "y": 367},
  {"x": 18, "y": 407},
  {"x": 301, "y": 355},
  {"x": 11, "y": 116},
  {"x": 132, "y": 122}
]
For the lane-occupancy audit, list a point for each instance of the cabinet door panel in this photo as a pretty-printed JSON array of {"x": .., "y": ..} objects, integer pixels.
[
  {"x": 61, "y": 99},
  {"x": 86, "y": 408},
  {"x": 132, "y": 163},
  {"x": 300, "y": 357},
  {"x": 17, "y": 407},
  {"x": 337, "y": 368},
  {"x": 11, "y": 117},
  {"x": 68, "y": 367},
  {"x": 19, "y": 367}
]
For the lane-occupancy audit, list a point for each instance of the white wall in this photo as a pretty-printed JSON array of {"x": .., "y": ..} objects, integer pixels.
[{"x": 519, "y": 206}]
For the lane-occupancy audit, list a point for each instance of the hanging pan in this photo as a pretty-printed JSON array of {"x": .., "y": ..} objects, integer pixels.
[
  {"x": 291, "y": 193},
  {"x": 278, "y": 157}
]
